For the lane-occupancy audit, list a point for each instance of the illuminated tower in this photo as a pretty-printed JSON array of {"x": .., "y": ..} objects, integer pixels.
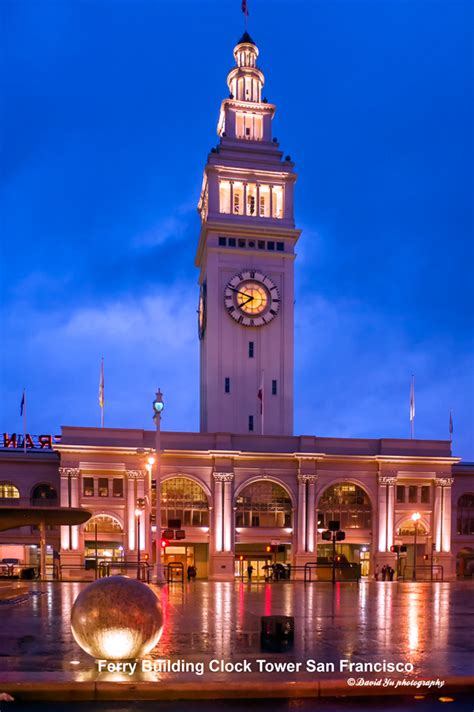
[{"x": 245, "y": 257}]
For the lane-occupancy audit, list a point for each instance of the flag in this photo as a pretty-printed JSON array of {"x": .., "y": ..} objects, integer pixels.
[
  {"x": 412, "y": 399},
  {"x": 451, "y": 422},
  {"x": 101, "y": 385},
  {"x": 245, "y": 9},
  {"x": 260, "y": 394},
  {"x": 22, "y": 404}
]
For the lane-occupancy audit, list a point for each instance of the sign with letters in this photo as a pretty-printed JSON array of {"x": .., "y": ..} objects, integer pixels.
[{"x": 16, "y": 441}]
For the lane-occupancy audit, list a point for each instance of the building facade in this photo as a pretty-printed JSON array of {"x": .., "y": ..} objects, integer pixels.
[{"x": 245, "y": 490}]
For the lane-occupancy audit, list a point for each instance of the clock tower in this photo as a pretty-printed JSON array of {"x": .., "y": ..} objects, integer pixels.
[{"x": 246, "y": 258}]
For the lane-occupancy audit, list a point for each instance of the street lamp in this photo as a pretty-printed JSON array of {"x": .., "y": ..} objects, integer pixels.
[
  {"x": 158, "y": 406},
  {"x": 415, "y": 517}
]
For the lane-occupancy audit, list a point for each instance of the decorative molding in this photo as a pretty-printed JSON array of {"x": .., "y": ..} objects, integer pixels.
[
  {"x": 69, "y": 471},
  {"x": 311, "y": 479},
  {"x": 444, "y": 481},
  {"x": 135, "y": 474},
  {"x": 223, "y": 476},
  {"x": 387, "y": 479}
]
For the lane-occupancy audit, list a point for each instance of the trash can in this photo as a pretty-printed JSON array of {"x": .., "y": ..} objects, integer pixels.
[
  {"x": 277, "y": 633},
  {"x": 28, "y": 573}
]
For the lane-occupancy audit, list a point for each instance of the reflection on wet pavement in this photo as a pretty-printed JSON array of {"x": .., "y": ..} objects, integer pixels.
[{"x": 426, "y": 624}]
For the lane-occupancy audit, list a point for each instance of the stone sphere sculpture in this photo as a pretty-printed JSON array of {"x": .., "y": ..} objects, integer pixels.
[{"x": 117, "y": 618}]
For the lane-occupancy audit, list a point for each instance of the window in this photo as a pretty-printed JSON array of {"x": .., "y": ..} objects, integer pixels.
[
  {"x": 400, "y": 494},
  {"x": 264, "y": 201},
  {"x": 277, "y": 201},
  {"x": 261, "y": 244},
  {"x": 251, "y": 199},
  {"x": 348, "y": 503},
  {"x": 226, "y": 385},
  {"x": 103, "y": 487},
  {"x": 274, "y": 388},
  {"x": 270, "y": 245},
  {"x": 222, "y": 242},
  {"x": 104, "y": 523},
  {"x": 9, "y": 491},
  {"x": 425, "y": 494},
  {"x": 88, "y": 486},
  {"x": 263, "y": 504},
  {"x": 185, "y": 500},
  {"x": 250, "y": 423},
  {"x": 280, "y": 246},
  {"x": 251, "y": 349},
  {"x": 117, "y": 487},
  {"x": 238, "y": 198},
  {"x": 242, "y": 243},
  {"x": 224, "y": 196},
  {"x": 412, "y": 493},
  {"x": 232, "y": 242},
  {"x": 465, "y": 519}
]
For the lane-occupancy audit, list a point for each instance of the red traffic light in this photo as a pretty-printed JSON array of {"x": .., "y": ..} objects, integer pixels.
[{"x": 164, "y": 543}]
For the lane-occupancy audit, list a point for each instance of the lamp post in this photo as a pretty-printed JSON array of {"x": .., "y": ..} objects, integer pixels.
[
  {"x": 137, "y": 515},
  {"x": 415, "y": 517},
  {"x": 158, "y": 406}
]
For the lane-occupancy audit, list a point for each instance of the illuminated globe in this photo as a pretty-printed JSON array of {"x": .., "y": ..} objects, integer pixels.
[{"x": 117, "y": 618}]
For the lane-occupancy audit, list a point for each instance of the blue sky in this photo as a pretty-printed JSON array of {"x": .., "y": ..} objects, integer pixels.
[{"x": 109, "y": 110}]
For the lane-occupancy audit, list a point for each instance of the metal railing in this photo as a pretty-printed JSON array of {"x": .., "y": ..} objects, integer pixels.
[
  {"x": 113, "y": 568},
  {"x": 175, "y": 572},
  {"x": 324, "y": 572},
  {"x": 422, "y": 573}
]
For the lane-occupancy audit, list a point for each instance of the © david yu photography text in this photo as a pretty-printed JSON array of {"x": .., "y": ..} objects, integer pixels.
[{"x": 259, "y": 665}]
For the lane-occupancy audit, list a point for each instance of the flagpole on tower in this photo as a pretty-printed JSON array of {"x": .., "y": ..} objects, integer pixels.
[
  {"x": 245, "y": 11},
  {"x": 451, "y": 428},
  {"x": 23, "y": 413},
  {"x": 412, "y": 407},
  {"x": 101, "y": 393}
]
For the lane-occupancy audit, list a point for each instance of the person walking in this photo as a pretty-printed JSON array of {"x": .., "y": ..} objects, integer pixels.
[
  {"x": 376, "y": 572},
  {"x": 249, "y": 572},
  {"x": 384, "y": 572},
  {"x": 390, "y": 573}
]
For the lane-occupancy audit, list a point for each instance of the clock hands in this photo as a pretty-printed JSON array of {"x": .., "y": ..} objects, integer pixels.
[{"x": 245, "y": 294}]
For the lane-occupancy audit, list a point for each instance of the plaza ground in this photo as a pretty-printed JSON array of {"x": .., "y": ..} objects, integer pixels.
[{"x": 426, "y": 624}]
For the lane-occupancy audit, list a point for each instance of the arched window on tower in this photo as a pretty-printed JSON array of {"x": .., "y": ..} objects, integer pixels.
[
  {"x": 224, "y": 196},
  {"x": 9, "y": 491}
]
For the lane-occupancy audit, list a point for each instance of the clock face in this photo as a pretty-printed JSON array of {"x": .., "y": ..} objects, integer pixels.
[
  {"x": 202, "y": 310},
  {"x": 251, "y": 298}
]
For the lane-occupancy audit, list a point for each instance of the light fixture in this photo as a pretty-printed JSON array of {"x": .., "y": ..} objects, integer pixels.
[{"x": 415, "y": 516}]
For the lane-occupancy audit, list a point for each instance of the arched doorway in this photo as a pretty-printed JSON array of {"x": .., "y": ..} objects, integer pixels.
[
  {"x": 264, "y": 528},
  {"x": 465, "y": 515},
  {"x": 349, "y": 504},
  {"x": 405, "y": 535},
  {"x": 185, "y": 505},
  {"x": 103, "y": 539},
  {"x": 465, "y": 562}
]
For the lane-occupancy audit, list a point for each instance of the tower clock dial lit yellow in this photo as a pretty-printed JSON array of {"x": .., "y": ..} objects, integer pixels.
[{"x": 251, "y": 298}]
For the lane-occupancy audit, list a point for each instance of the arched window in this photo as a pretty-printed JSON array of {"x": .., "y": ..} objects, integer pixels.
[
  {"x": 407, "y": 528},
  {"x": 465, "y": 519},
  {"x": 44, "y": 495},
  {"x": 105, "y": 523},
  {"x": 183, "y": 499},
  {"x": 346, "y": 503},
  {"x": 263, "y": 504},
  {"x": 9, "y": 491}
]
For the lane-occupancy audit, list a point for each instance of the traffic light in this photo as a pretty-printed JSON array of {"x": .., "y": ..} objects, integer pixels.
[
  {"x": 395, "y": 549},
  {"x": 241, "y": 558},
  {"x": 268, "y": 549},
  {"x": 340, "y": 536},
  {"x": 164, "y": 544},
  {"x": 326, "y": 536},
  {"x": 334, "y": 525}
]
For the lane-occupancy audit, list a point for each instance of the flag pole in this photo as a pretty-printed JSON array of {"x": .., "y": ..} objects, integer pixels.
[
  {"x": 412, "y": 407},
  {"x": 451, "y": 426},
  {"x": 101, "y": 393},
  {"x": 24, "y": 419}
]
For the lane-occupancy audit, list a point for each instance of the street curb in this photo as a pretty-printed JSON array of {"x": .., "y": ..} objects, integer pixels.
[{"x": 91, "y": 690}]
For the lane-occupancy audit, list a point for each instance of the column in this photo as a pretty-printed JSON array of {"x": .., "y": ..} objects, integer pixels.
[
  {"x": 386, "y": 504},
  {"x": 143, "y": 521},
  {"x": 271, "y": 201},
  {"x": 244, "y": 212},
  {"x": 391, "y": 484},
  {"x": 228, "y": 523},
  {"x": 218, "y": 511},
  {"x": 75, "y": 503},
  {"x": 311, "y": 513},
  {"x": 443, "y": 513},
  {"x": 231, "y": 197},
  {"x": 129, "y": 517},
  {"x": 66, "y": 474},
  {"x": 302, "y": 479}
]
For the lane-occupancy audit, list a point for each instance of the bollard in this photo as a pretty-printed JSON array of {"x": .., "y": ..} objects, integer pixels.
[{"x": 277, "y": 633}]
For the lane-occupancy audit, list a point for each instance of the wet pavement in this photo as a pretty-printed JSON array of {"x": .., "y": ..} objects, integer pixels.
[{"x": 426, "y": 624}]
